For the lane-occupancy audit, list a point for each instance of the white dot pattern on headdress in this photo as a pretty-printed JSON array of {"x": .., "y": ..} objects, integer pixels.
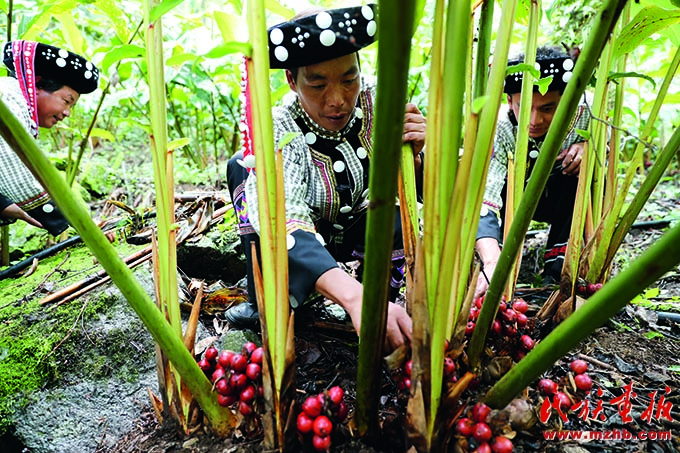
[
  {"x": 568, "y": 64},
  {"x": 323, "y": 20},
  {"x": 327, "y": 38},
  {"x": 371, "y": 28},
  {"x": 566, "y": 77},
  {"x": 367, "y": 12},
  {"x": 88, "y": 74},
  {"x": 276, "y": 36},
  {"x": 63, "y": 53},
  {"x": 61, "y": 62},
  {"x": 281, "y": 53}
]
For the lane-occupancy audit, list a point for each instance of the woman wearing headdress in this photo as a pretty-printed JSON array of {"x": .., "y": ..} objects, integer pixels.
[{"x": 45, "y": 83}]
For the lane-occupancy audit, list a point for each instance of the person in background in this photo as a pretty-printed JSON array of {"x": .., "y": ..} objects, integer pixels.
[
  {"x": 558, "y": 197},
  {"x": 326, "y": 165},
  {"x": 45, "y": 83}
]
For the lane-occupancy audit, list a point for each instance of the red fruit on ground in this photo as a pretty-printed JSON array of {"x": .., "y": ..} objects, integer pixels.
[
  {"x": 469, "y": 328},
  {"x": 579, "y": 366},
  {"x": 502, "y": 306},
  {"x": 509, "y": 315},
  {"x": 260, "y": 391},
  {"x": 496, "y": 327},
  {"x": 205, "y": 365},
  {"x": 583, "y": 382},
  {"x": 449, "y": 366},
  {"x": 510, "y": 330},
  {"x": 341, "y": 412},
  {"x": 563, "y": 399},
  {"x": 479, "y": 301},
  {"x": 224, "y": 359},
  {"x": 474, "y": 314},
  {"x": 446, "y": 345},
  {"x": 480, "y": 412},
  {"x": 321, "y": 443},
  {"x": 305, "y": 423},
  {"x": 323, "y": 426},
  {"x": 481, "y": 432},
  {"x": 217, "y": 374},
  {"x": 312, "y": 406},
  {"x": 226, "y": 400},
  {"x": 522, "y": 320},
  {"x": 245, "y": 408},
  {"x": 256, "y": 356},
  {"x": 248, "y": 348},
  {"x": 211, "y": 354},
  {"x": 336, "y": 394},
  {"x": 248, "y": 394},
  {"x": 408, "y": 366},
  {"x": 239, "y": 363},
  {"x": 501, "y": 445},
  {"x": 464, "y": 427},
  {"x": 483, "y": 448},
  {"x": 407, "y": 383},
  {"x": 223, "y": 388},
  {"x": 547, "y": 387},
  {"x": 527, "y": 342},
  {"x": 253, "y": 371},
  {"x": 238, "y": 381},
  {"x": 520, "y": 306}
]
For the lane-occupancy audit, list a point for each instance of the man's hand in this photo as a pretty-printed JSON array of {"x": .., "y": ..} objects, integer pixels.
[
  {"x": 571, "y": 159},
  {"x": 414, "y": 128},
  {"x": 341, "y": 288},
  {"x": 15, "y": 212},
  {"x": 489, "y": 251}
]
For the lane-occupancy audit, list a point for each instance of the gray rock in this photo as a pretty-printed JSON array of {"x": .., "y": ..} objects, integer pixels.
[{"x": 215, "y": 256}]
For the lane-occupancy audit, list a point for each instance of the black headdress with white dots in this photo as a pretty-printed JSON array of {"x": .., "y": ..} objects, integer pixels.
[
  {"x": 60, "y": 66},
  {"x": 560, "y": 68},
  {"x": 321, "y": 36}
]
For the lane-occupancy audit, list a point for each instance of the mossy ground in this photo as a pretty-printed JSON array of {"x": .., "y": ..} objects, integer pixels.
[{"x": 39, "y": 343}]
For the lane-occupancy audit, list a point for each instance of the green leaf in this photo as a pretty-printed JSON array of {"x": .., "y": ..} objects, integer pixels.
[
  {"x": 674, "y": 368},
  {"x": 180, "y": 59},
  {"x": 117, "y": 17},
  {"x": 277, "y": 8},
  {"x": 478, "y": 104},
  {"x": 120, "y": 53},
  {"x": 287, "y": 138},
  {"x": 652, "y": 293},
  {"x": 229, "y": 48},
  {"x": 178, "y": 143},
  {"x": 621, "y": 75},
  {"x": 523, "y": 67},
  {"x": 650, "y": 335},
  {"x": 232, "y": 27},
  {"x": 102, "y": 133},
  {"x": 583, "y": 133},
  {"x": 543, "y": 84},
  {"x": 71, "y": 32},
  {"x": 3, "y": 6},
  {"x": 158, "y": 10},
  {"x": 648, "y": 21}
]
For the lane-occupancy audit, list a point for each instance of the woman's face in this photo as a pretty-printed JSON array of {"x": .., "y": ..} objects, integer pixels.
[{"x": 54, "y": 107}]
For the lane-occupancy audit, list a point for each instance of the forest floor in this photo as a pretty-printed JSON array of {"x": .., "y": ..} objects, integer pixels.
[{"x": 636, "y": 350}]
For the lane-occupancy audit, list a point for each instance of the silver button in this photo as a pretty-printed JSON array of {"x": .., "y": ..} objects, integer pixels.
[
  {"x": 345, "y": 209},
  {"x": 339, "y": 166},
  {"x": 361, "y": 153},
  {"x": 47, "y": 208},
  {"x": 364, "y": 194},
  {"x": 533, "y": 154},
  {"x": 337, "y": 226}
]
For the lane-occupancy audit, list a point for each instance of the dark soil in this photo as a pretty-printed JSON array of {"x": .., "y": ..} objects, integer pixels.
[{"x": 636, "y": 347}]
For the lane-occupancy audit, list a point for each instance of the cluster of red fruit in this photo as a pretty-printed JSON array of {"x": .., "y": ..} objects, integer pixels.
[
  {"x": 583, "y": 382},
  {"x": 320, "y": 413},
  {"x": 510, "y": 321},
  {"x": 237, "y": 377},
  {"x": 477, "y": 435},
  {"x": 587, "y": 289},
  {"x": 402, "y": 376}
]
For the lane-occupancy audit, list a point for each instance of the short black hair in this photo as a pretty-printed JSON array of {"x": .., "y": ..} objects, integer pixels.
[{"x": 48, "y": 85}]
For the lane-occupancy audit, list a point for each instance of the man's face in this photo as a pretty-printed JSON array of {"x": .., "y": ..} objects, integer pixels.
[
  {"x": 328, "y": 91},
  {"x": 54, "y": 107},
  {"x": 543, "y": 107}
]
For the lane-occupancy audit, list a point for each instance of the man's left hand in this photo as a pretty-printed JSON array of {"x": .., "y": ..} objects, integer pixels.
[
  {"x": 571, "y": 159},
  {"x": 414, "y": 128}
]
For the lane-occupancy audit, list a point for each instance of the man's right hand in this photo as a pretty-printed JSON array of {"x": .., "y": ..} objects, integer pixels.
[
  {"x": 488, "y": 251},
  {"x": 15, "y": 212}
]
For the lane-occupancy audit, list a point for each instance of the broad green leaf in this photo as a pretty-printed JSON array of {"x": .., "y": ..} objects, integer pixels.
[
  {"x": 523, "y": 67},
  {"x": 40, "y": 21},
  {"x": 117, "y": 17},
  {"x": 180, "y": 59},
  {"x": 621, "y": 75},
  {"x": 277, "y": 8},
  {"x": 648, "y": 21},
  {"x": 543, "y": 84},
  {"x": 178, "y": 143},
  {"x": 650, "y": 335},
  {"x": 229, "y": 48},
  {"x": 120, "y": 53},
  {"x": 478, "y": 104},
  {"x": 232, "y": 27},
  {"x": 158, "y": 10},
  {"x": 652, "y": 292},
  {"x": 102, "y": 133},
  {"x": 72, "y": 33},
  {"x": 3, "y": 6},
  {"x": 287, "y": 138},
  {"x": 583, "y": 133}
]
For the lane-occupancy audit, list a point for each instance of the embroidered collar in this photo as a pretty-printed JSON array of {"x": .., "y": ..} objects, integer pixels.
[{"x": 321, "y": 131}]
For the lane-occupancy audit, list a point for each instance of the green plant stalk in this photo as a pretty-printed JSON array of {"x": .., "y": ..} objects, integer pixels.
[
  {"x": 483, "y": 49},
  {"x": 446, "y": 301},
  {"x": 432, "y": 237},
  {"x": 650, "y": 266},
  {"x": 605, "y": 253},
  {"x": 395, "y": 29},
  {"x": 408, "y": 176},
  {"x": 522, "y": 141},
  {"x": 574, "y": 246},
  {"x": 602, "y": 26},
  {"x": 272, "y": 233},
  {"x": 78, "y": 215}
]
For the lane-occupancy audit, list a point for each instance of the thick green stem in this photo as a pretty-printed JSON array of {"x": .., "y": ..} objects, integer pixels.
[
  {"x": 602, "y": 26},
  {"x": 483, "y": 48},
  {"x": 395, "y": 28},
  {"x": 662, "y": 256},
  {"x": 78, "y": 215}
]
